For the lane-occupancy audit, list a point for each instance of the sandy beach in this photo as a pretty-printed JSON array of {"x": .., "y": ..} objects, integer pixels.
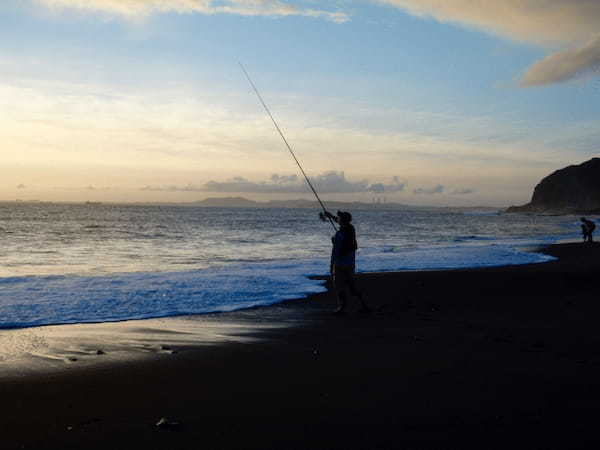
[{"x": 486, "y": 358}]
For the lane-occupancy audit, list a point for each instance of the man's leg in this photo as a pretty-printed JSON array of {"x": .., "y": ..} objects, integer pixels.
[
  {"x": 354, "y": 290},
  {"x": 340, "y": 289}
]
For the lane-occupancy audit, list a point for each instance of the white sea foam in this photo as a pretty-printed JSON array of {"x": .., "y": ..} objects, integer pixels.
[
  {"x": 34, "y": 301},
  {"x": 447, "y": 257}
]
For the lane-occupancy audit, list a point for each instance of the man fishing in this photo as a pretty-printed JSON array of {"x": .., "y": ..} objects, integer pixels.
[
  {"x": 587, "y": 229},
  {"x": 343, "y": 261},
  {"x": 344, "y": 241}
]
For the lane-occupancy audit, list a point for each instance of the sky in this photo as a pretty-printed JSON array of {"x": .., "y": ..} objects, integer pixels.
[{"x": 424, "y": 102}]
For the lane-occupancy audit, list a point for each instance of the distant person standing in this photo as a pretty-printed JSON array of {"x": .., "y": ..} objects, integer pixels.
[
  {"x": 343, "y": 262},
  {"x": 587, "y": 229}
]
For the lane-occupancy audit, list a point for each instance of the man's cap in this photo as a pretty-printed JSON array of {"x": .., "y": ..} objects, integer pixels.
[{"x": 344, "y": 215}]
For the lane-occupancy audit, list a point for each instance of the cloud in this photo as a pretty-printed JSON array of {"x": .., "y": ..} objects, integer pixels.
[
  {"x": 91, "y": 187},
  {"x": 465, "y": 191},
  {"x": 570, "y": 25},
  {"x": 140, "y": 8},
  {"x": 327, "y": 183},
  {"x": 173, "y": 188},
  {"x": 429, "y": 191},
  {"x": 395, "y": 186},
  {"x": 565, "y": 65}
]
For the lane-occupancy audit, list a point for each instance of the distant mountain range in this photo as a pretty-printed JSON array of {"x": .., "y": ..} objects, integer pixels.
[
  {"x": 333, "y": 206},
  {"x": 241, "y": 202}
]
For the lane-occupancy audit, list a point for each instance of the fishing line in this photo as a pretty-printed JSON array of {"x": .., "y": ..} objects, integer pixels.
[{"x": 287, "y": 144}]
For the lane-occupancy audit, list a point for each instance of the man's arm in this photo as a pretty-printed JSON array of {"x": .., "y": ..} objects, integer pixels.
[{"x": 331, "y": 216}]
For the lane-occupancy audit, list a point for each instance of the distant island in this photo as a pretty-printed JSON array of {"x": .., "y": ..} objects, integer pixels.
[{"x": 572, "y": 190}]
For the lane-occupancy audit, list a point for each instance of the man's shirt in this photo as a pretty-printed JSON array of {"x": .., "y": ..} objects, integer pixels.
[{"x": 344, "y": 246}]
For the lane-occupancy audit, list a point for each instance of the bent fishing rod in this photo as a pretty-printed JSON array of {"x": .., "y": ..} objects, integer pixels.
[{"x": 287, "y": 145}]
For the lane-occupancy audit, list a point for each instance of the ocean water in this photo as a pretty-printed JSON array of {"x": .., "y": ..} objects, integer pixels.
[{"x": 71, "y": 263}]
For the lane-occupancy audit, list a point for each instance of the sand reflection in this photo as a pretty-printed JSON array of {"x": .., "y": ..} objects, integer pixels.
[{"x": 67, "y": 347}]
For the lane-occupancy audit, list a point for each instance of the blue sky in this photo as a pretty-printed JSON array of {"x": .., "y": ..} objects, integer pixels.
[{"x": 129, "y": 100}]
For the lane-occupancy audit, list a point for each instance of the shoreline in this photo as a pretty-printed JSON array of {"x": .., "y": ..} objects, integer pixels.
[
  {"x": 463, "y": 359},
  {"x": 75, "y": 318},
  {"x": 55, "y": 347}
]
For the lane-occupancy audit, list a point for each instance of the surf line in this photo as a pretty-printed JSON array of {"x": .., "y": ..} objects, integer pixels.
[{"x": 324, "y": 214}]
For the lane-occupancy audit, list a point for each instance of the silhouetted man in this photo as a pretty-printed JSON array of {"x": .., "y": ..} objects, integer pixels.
[
  {"x": 587, "y": 228},
  {"x": 343, "y": 261}
]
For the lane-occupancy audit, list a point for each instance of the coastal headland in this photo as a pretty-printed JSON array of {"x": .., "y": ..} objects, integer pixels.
[{"x": 505, "y": 357}]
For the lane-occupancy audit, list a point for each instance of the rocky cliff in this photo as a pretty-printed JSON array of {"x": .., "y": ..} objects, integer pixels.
[{"x": 574, "y": 189}]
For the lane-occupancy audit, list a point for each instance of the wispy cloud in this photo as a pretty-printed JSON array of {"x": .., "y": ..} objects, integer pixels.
[
  {"x": 91, "y": 187},
  {"x": 140, "y": 8},
  {"x": 568, "y": 25},
  {"x": 331, "y": 182},
  {"x": 565, "y": 65},
  {"x": 164, "y": 137},
  {"x": 439, "y": 189},
  {"x": 464, "y": 191}
]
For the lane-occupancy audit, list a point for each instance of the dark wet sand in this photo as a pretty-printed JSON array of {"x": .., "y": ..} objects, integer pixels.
[{"x": 490, "y": 358}]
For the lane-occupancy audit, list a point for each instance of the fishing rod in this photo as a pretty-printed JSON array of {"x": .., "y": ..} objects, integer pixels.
[{"x": 326, "y": 214}]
